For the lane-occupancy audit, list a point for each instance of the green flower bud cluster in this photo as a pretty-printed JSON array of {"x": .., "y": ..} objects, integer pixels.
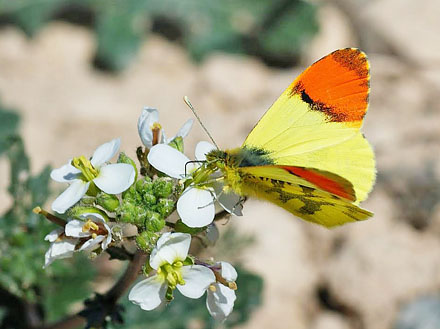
[{"x": 147, "y": 204}]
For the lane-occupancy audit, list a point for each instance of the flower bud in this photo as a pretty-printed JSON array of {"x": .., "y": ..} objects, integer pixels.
[
  {"x": 143, "y": 240},
  {"x": 162, "y": 187},
  {"x": 154, "y": 222},
  {"x": 77, "y": 211},
  {"x": 144, "y": 185},
  {"x": 127, "y": 212},
  {"x": 165, "y": 207},
  {"x": 149, "y": 200},
  {"x": 108, "y": 201},
  {"x": 123, "y": 158},
  {"x": 130, "y": 195},
  {"x": 87, "y": 200},
  {"x": 177, "y": 143}
]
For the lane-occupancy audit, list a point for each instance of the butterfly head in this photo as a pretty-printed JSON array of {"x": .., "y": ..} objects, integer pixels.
[{"x": 217, "y": 158}]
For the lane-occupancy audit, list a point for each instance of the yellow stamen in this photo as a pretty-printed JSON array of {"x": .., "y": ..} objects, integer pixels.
[
  {"x": 156, "y": 125},
  {"x": 171, "y": 278},
  {"x": 86, "y": 167},
  {"x": 94, "y": 235},
  {"x": 37, "y": 210},
  {"x": 232, "y": 285},
  {"x": 90, "y": 226},
  {"x": 155, "y": 129},
  {"x": 212, "y": 288},
  {"x": 172, "y": 274}
]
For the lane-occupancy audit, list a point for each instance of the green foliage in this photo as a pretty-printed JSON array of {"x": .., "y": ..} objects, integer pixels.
[
  {"x": 183, "y": 312},
  {"x": 22, "y": 245},
  {"x": 182, "y": 227},
  {"x": 30, "y": 16},
  {"x": 9, "y": 123},
  {"x": 120, "y": 28},
  {"x": 275, "y": 30},
  {"x": 285, "y": 36}
]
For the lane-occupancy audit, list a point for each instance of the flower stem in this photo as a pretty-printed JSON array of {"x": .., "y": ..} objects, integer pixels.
[{"x": 49, "y": 216}]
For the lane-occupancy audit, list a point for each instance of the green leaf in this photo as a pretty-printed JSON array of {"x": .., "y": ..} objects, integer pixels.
[
  {"x": 120, "y": 30},
  {"x": 286, "y": 35},
  {"x": 182, "y": 227},
  {"x": 8, "y": 126},
  {"x": 32, "y": 15},
  {"x": 22, "y": 245}
]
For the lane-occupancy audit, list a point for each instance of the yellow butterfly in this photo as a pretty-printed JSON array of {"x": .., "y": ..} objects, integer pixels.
[{"x": 307, "y": 154}]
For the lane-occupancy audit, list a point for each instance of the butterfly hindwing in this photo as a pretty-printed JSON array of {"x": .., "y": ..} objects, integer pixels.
[{"x": 301, "y": 197}]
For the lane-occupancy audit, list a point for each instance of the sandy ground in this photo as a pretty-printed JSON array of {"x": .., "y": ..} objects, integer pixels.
[{"x": 370, "y": 269}]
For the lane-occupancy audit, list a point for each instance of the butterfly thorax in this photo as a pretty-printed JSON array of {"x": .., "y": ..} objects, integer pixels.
[{"x": 230, "y": 161}]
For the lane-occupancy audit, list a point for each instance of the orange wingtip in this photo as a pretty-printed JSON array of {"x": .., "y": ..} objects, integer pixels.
[
  {"x": 324, "y": 180},
  {"x": 337, "y": 85}
]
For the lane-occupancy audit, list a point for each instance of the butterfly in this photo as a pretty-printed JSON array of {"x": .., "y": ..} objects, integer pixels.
[{"x": 307, "y": 154}]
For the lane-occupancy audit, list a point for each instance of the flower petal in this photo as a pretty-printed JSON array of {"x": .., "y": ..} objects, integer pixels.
[
  {"x": 169, "y": 248},
  {"x": 212, "y": 233},
  {"x": 228, "y": 272},
  {"x": 196, "y": 207},
  {"x": 184, "y": 130},
  {"x": 149, "y": 293},
  {"x": 148, "y": 117},
  {"x": 220, "y": 302},
  {"x": 202, "y": 148},
  {"x": 70, "y": 196},
  {"x": 168, "y": 160},
  {"x": 74, "y": 228},
  {"x": 65, "y": 174},
  {"x": 197, "y": 279},
  {"x": 115, "y": 178},
  {"x": 229, "y": 201},
  {"x": 92, "y": 244},
  {"x": 53, "y": 235},
  {"x": 105, "y": 152},
  {"x": 107, "y": 241},
  {"x": 59, "y": 249},
  {"x": 93, "y": 216}
]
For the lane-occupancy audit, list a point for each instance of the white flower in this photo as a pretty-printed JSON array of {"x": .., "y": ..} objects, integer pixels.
[
  {"x": 149, "y": 121},
  {"x": 60, "y": 247},
  {"x": 168, "y": 258},
  {"x": 81, "y": 172},
  {"x": 93, "y": 231},
  {"x": 220, "y": 298},
  {"x": 196, "y": 205},
  {"x": 78, "y": 235}
]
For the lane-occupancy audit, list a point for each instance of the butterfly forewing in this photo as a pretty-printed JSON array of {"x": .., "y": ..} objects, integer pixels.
[{"x": 315, "y": 122}]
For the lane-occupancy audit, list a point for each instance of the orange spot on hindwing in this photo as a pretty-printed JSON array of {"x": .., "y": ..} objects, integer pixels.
[
  {"x": 336, "y": 85},
  {"x": 326, "y": 181}
]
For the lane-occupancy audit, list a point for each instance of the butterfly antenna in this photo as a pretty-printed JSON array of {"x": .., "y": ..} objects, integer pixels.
[{"x": 187, "y": 102}]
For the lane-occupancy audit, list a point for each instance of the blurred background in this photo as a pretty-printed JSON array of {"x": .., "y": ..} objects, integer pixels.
[{"x": 75, "y": 74}]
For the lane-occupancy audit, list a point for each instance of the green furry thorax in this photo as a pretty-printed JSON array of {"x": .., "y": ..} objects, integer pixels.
[
  {"x": 230, "y": 162},
  {"x": 240, "y": 157}
]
